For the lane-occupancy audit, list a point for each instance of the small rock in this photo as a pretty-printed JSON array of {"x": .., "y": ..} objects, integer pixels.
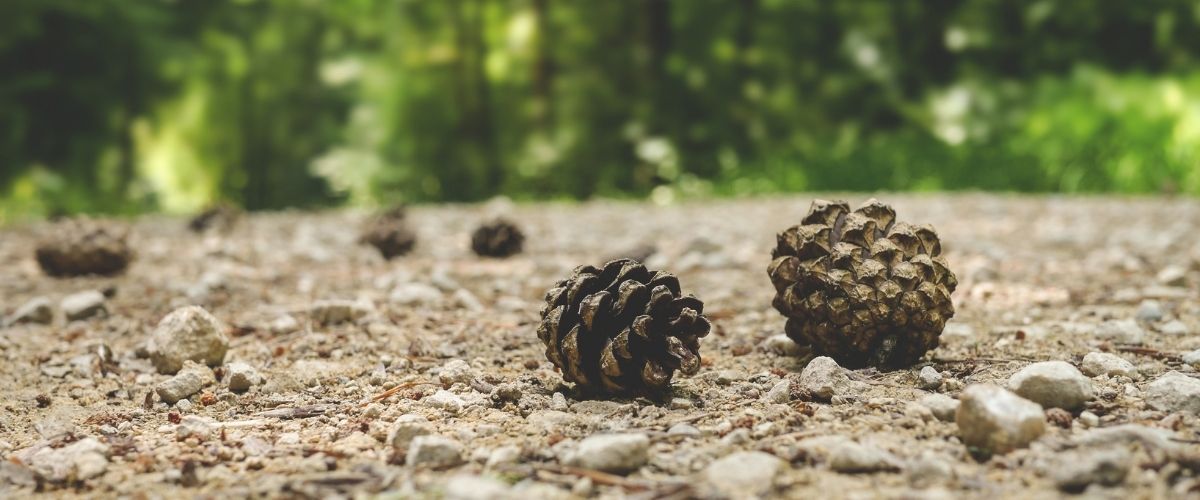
[
  {"x": 995, "y": 420},
  {"x": 928, "y": 470},
  {"x": 456, "y": 371},
  {"x": 415, "y": 294},
  {"x": 471, "y": 487},
  {"x": 436, "y": 452},
  {"x": 1149, "y": 311},
  {"x": 1102, "y": 363},
  {"x": 618, "y": 453},
  {"x": 464, "y": 299},
  {"x": 406, "y": 428},
  {"x": 1052, "y": 384},
  {"x": 83, "y": 305},
  {"x": 188, "y": 381},
  {"x": 241, "y": 376},
  {"x": 683, "y": 430},
  {"x": 823, "y": 378},
  {"x": 194, "y": 425},
  {"x": 1192, "y": 358},
  {"x": 929, "y": 378},
  {"x": 284, "y": 324},
  {"x": 1174, "y": 328},
  {"x": 744, "y": 474},
  {"x": 783, "y": 345},
  {"x": 1089, "y": 419},
  {"x": 78, "y": 461},
  {"x": 845, "y": 455},
  {"x": 780, "y": 393},
  {"x": 445, "y": 400},
  {"x": 943, "y": 407},
  {"x": 1174, "y": 391},
  {"x": 504, "y": 455},
  {"x": 36, "y": 311},
  {"x": 1126, "y": 331},
  {"x": 329, "y": 312},
  {"x": 1075, "y": 470},
  {"x": 188, "y": 333},
  {"x": 1172, "y": 276}
]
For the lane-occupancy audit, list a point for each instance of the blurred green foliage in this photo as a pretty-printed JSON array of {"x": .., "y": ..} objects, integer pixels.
[{"x": 132, "y": 105}]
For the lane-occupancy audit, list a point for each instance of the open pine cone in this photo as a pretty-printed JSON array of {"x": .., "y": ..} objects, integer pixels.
[
  {"x": 498, "y": 238},
  {"x": 78, "y": 247},
  {"x": 389, "y": 233},
  {"x": 860, "y": 287},
  {"x": 622, "y": 329}
]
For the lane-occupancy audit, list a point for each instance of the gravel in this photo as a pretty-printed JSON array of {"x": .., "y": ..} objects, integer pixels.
[
  {"x": 330, "y": 312},
  {"x": 78, "y": 461},
  {"x": 1052, "y": 384},
  {"x": 83, "y": 305},
  {"x": 188, "y": 333},
  {"x": 994, "y": 420},
  {"x": 435, "y": 452},
  {"x": 1074, "y": 471},
  {"x": 617, "y": 453},
  {"x": 191, "y": 379},
  {"x": 847, "y": 456},
  {"x": 1174, "y": 391},
  {"x": 743, "y": 474},
  {"x": 1097, "y": 364}
]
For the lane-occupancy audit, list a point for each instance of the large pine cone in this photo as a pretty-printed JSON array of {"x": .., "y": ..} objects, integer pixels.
[
  {"x": 390, "y": 233},
  {"x": 622, "y": 329},
  {"x": 860, "y": 287},
  {"x": 498, "y": 238},
  {"x": 83, "y": 246}
]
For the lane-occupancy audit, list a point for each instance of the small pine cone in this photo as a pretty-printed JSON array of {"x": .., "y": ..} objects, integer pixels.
[
  {"x": 221, "y": 217},
  {"x": 389, "y": 233},
  {"x": 860, "y": 287},
  {"x": 498, "y": 238},
  {"x": 80, "y": 247},
  {"x": 622, "y": 329}
]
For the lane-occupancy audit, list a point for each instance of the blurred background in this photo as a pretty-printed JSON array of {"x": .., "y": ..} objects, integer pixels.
[{"x": 127, "y": 106}]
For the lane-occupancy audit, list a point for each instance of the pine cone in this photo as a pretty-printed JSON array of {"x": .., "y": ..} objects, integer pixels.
[
  {"x": 622, "y": 329},
  {"x": 860, "y": 287},
  {"x": 83, "y": 246},
  {"x": 498, "y": 238},
  {"x": 389, "y": 233}
]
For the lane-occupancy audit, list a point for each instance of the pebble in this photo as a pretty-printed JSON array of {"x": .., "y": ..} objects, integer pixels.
[
  {"x": 241, "y": 376},
  {"x": 683, "y": 430},
  {"x": 284, "y": 324},
  {"x": 445, "y": 400},
  {"x": 929, "y": 469},
  {"x": 456, "y": 371},
  {"x": 1096, "y": 364},
  {"x": 329, "y": 312},
  {"x": 187, "y": 333},
  {"x": 415, "y": 294},
  {"x": 617, "y": 453},
  {"x": 504, "y": 455},
  {"x": 188, "y": 381},
  {"x": 1052, "y": 384},
  {"x": 1172, "y": 275},
  {"x": 780, "y": 393},
  {"x": 406, "y": 428},
  {"x": 1192, "y": 358},
  {"x": 558, "y": 402},
  {"x": 823, "y": 378},
  {"x": 1174, "y": 391},
  {"x": 744, "y": 474},
  {"x": 1149, "y": 311},
  {"x": 994, "y": 420},
  {"x": 433, "y": 451},
  {"x": 1173, "y": 328},
  {"x": 1089, "y": 419},
  {"x": 464, "y": 299},
  {"x": 844, "y": 455},
  {"x": 472, "y": 487},
  {"x": 943, "y": 407},
  {"x": 36, "y": 311},
  {"x": 929, "y": 378},
  {"x": 1075, "y": 470},
  {"x": 1126, "y": 331},
  {"x": 194, "y": 425},
  {"x": 83, "y": 305},
  {"x": 78, "y": 461},
  {"x": 783, "y": 345}
]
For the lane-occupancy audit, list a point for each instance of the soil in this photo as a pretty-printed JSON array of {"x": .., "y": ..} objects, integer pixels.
[{"x": 1038, "y": 275}]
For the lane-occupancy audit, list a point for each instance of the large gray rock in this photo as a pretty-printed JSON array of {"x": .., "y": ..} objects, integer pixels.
[
  {"x": 190, "y": 380},
  {"x": 823, "y": 378},
  {"x": 188, "y": 333},
  {"x": 83, "y": 305},
  {"x": 1174, "y": 391},
  {"x": 36, "y": 311},
  {"x": 436, "y": 452},
  {"x": 1052, "y": 384},
  {"x": 617, "y": 453},
  {"x": 1096, "y": 364},
  {"x": 994, "y": 420},
  {"x": 745, "y": 474},
  {"x": 78, "y": 461}
]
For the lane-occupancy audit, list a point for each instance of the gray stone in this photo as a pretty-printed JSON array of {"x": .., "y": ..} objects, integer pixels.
[
  {"x": 83, "y": 305},
  {"x": 929, "y": 378},
  {"x": 329, "y": 312},
  {"x": 241, "y": 376},
  {"x": 445, "y": 400},
  {"x": 1125, "y": 331},
  {"x": 929, "y": 469},
  {"x": 780, "y": 393},
  {"x": 190, "y": 380},
  {"x": 943, "y": 407},
  {"x": 35, "y": 311},
  {"x": 1174, "y": 328},
  {"x": 1149, "y": 311},
  {"x": 1174, "y": 391},
  {"x": 464, "y": 299},
  {"x": 284, "y": 324},
  {"x": 407, "y": 428},
  {"x": 188, "y": 333},
  {"x": 1102, "y": 363},
  {"x": 1052, "y": 384},
  {"x": 744, "y": 474},
  {"x": 617, "y": 453},
  {"x": 504, "y": 455},
  {"x": 78, "y": 461},
  {"x": 783, "y": 345},
  {"x": 844, "y": 455},
  {"x": 1149, "y": 437},
  {"x": 683, "y": 430},
  {"x": 1192, "y": 358},
  {"x": 472, "y": 487},
  {"x": 1075, "y": 470},
  {"x": 415, "y": 294},
  {"x": 1172, "y": 275},
  {"x": 194, "y": 425},
  {"x": 994, "y": 420},
  {"x": 456, "y": 371},
  {"x": 823, "y": 378},
  {"x": 435, "y": 452}
]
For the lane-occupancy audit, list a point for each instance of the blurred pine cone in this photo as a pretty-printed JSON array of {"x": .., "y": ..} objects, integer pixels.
[
  {"x": 860, "y": 287},
  {"x": 498, "y": 238},
  {"x": 77, "y": 247},
  {"x": 622, "y": 329},
  {"x": 389, "y": 233}
]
